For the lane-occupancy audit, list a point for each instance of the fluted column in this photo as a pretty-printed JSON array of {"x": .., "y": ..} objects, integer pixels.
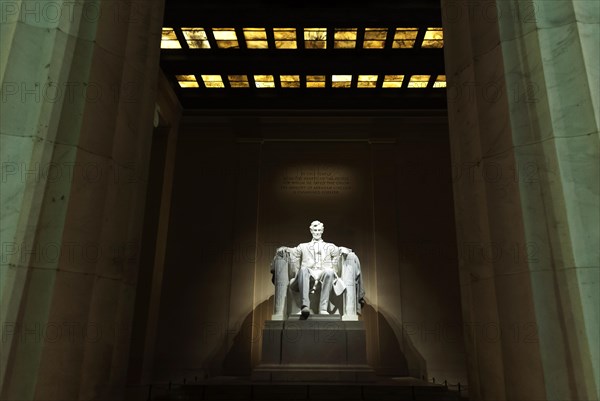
[
  {"x": 78, "y": 93},
  {"x": 523, "y": 107}
]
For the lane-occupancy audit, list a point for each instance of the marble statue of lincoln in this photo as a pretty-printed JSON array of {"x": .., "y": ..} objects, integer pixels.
[{"x": 317, "y": 260}]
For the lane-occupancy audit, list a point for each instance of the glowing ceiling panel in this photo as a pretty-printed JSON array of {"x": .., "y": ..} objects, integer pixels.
[
  {"x": 187, "y": 81},
  {"x": 195, "y": 38},
  {"x": 290, "y": 81},
  {"x": 256, "y": 38},
  {"x": 341, "y": 81},
  {"x": 434, "y": 38},
  {"x": 238, "y": 81},
  {"x": 169, "y": 39},
  {"x": 315, "y": 38},
  {"x": 285, "y": 38},
  {"x": 418, "y": 81},
  {"x": 226, "y": 38},
  {"x": 393, "y": 81},
  {"x": 264, "y": 81},
  {"x": 315, "y": 81},
  {"x": 440, "y": 81},
  {"x": 367, "y": 81},
  {"x": 404, "y": 38},
  {"x": 375, "y": 38},
  {"x": 344, "y": 38},
  {"x": 213, "y": 81}
]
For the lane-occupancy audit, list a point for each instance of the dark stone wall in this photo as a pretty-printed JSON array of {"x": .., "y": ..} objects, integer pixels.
[{"x": 245, "y": 185}]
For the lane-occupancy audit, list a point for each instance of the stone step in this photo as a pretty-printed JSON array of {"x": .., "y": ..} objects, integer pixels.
[{"x": 290, "y": 373}]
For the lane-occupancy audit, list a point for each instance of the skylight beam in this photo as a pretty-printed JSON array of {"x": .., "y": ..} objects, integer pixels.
[
  {"x": 211, "y": 38},
  {"x": 405, "y": 81},
  {"x": 251, "y": 82},
  {"x": 431, "y": 81},
  {"x": 302, "y": 81},
  {"x": 226, "y": 83},
  {"x": 300, "y": 38},
  {"x": 181, "y": 38},
  {"x": 200, "y": 82},
  {"x": 389, "y": 40},
  {"x": 420, "y": 37},
  {"x": 360, "y": 38},
  {"x": 330, "y": 37},
  {"x": 241, "y": 38},
  {"x": 270, "y": 39}
]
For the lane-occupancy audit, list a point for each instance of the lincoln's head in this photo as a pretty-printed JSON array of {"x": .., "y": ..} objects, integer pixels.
[{"x": 316, "y": 229}]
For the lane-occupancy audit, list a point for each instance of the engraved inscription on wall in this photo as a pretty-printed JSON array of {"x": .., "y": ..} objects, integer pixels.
[{"x": 316, "y": 181}]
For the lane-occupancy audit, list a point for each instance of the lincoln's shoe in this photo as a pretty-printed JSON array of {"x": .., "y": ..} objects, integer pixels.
[{"x": 305, "y": 311}]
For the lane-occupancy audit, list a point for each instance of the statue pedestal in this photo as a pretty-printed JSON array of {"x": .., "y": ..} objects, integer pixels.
[{"x": 320, "y": 348}]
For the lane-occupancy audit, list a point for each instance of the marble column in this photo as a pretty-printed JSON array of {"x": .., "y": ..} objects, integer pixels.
[
  {"x": 78, "y": 94},
  {"x": 523, "y": 81}
]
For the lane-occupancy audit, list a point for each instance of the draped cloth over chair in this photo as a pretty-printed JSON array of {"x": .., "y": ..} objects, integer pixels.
[{"x": 354, "y": 292}]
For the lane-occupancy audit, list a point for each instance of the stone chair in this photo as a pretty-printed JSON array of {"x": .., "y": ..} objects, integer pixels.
[{"x": 342, "y": 300}]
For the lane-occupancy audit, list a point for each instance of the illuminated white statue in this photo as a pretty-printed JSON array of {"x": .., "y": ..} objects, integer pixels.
[{"x": 301, "y": 269}]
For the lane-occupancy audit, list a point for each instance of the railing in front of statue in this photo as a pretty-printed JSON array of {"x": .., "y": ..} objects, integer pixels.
[
  {"x": 171, "y": 388},
  {"x": 461, "y": 389},
  {"x": 160, "y": 390}
]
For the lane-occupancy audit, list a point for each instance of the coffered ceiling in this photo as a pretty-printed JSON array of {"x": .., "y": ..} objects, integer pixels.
[{"x": 287, "y": 55}]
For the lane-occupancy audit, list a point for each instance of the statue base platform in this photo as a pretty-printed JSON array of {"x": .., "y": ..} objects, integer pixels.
[{"x": 318, "y": 349}]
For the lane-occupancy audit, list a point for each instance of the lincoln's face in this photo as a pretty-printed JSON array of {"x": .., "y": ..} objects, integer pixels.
[{"x": 316, "y": 232}]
